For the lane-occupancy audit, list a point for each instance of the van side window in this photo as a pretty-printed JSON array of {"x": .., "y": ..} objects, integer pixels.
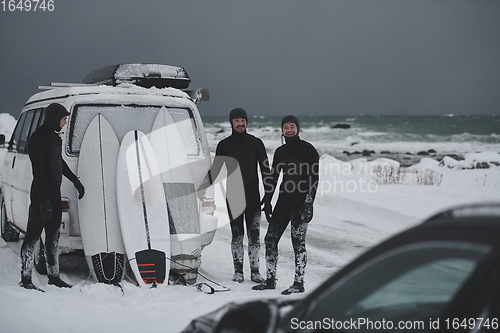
[
  {"x": 14, "y": 140},
  {"x": 184, "y": 120},
  {"x": 25, "y": 131},
  {"x": 36, "y": 121},
  {"x": 34, "y": 125}
]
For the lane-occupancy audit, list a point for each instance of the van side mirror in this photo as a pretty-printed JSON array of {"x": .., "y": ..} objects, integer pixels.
[
  {"x": 257, "y": 316},
  {"x": 2, "y": 140},
  {"x": 199, "y": 95}
]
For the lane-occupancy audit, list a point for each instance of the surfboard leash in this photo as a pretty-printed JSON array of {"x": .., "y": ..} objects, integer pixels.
[
  {"x": 200, "y": 286},
  {"x": 203, "y": 286},
  {"x": 88, "y": 278}
]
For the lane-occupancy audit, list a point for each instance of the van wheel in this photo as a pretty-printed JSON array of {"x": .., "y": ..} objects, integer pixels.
[
  {"x": 9, "y": 234},
  {"x": 40, "y": 263}
]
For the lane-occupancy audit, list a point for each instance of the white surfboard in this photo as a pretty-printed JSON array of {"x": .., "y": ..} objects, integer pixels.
[
  {"x": 98, "y": 210},
  {"x": 143, "y": 211},
  {"x": 179, "y": 188}
]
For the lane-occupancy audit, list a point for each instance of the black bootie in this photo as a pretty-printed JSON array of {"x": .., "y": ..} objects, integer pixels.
[
  {"x": 256, "y": 277},
  {"x": 27, "y": 284},
  {"x": 296, "y": 287},
  {"x": 238, "y": 277},
  {"x": 56, "y": 281},
  {"x": 269, "y": 284}
]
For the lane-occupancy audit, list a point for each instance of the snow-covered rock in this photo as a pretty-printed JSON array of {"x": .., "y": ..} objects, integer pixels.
[
  {"x": 478, "y": 160},
  {"x": 451, "y": 163}
]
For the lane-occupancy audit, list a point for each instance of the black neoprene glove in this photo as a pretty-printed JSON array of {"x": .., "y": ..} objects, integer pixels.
[
  {"x": 80, "y": 188},
  {"x": 268, "y": 208}
]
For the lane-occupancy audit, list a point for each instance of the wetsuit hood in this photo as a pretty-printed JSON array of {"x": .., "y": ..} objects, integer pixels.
[
  {"x": 291, "y": 119},
  {"x": 53, "y": 115},
  {"x": 237, "y": 113},
  {"x": 234, "y": 114}
]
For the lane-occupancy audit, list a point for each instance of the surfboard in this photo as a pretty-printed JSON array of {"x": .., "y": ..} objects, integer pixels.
[
  {"x": 98, "y": 210},
  {"x": 142, "y": 210},
  {"x": 179, "y": 188}
]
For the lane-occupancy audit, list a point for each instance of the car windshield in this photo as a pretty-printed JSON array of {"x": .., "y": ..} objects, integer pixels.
[
  {"x": 124, "y": 118},
  {"x": 409, "y": 286}
]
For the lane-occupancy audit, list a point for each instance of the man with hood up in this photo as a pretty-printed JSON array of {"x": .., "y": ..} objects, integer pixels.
[
  {"x": 244, "y": 151},
  {"x": 298, "y": 160},
  {"x": 44, "y": 149}
]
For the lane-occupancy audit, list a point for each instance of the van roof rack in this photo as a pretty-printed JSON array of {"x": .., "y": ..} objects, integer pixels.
[
  {"x": 144, "y": 75},
  {"x": 55, "y": 85},
  {"x": 198, "y": 96}
]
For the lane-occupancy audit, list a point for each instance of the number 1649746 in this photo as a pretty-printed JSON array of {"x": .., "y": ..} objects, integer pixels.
[{"x": 28, "y": 5}]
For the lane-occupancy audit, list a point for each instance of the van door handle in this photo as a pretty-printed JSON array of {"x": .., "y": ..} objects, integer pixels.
[{"x": 13, "y": 161}]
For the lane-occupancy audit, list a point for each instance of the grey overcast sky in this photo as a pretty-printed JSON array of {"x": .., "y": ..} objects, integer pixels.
[{"x": 272, "y": 57}]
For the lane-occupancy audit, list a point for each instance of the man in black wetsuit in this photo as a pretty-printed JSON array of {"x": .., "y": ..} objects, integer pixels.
[
  {"x": 245, "y": 151},
  {"x": 299, "y": 162},
  {"x": 44, "y": 149}
]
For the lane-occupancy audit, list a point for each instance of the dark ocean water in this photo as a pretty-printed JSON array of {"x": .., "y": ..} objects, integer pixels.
[
  {"x": 398, "y": 137},
  {"x": 390, "y": 128}
]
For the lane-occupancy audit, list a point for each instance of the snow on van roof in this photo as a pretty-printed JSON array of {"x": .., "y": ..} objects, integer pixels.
[
  {"x": 121, "y": 89},
  {"x": 134, "y": 70}
]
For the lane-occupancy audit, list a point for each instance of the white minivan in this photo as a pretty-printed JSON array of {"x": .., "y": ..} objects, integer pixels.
[{"x": 130, "y": 97}]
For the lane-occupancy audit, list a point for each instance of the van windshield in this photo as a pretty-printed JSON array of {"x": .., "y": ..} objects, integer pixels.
[{"x": 124, "y": 118}]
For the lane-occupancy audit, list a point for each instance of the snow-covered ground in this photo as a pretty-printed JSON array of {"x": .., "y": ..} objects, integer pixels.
[{"x": 352, "y": 213}]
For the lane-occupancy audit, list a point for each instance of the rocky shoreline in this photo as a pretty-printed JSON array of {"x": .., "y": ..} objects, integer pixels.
[{"x": 407, "y": 159}]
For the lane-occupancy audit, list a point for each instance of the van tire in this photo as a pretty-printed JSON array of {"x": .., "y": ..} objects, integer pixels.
[
  {"x": 39, "y": 259},
  {"x": 9, "y": 234}
]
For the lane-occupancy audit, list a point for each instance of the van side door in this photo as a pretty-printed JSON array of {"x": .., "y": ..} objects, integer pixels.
[{"x": 8, "y": 166}]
